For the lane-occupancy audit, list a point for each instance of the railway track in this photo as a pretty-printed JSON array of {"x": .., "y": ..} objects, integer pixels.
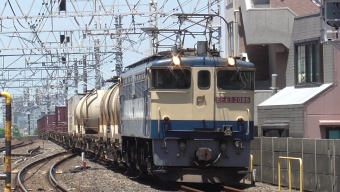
[
  {"x": 218, "y": 188},
  {"x": 18, "y": 145},
  {"x": 33, "y": 177},
  {"x": 230, "y": 189},
  {"x": 52, "y": 178},
  {"x": 30, "y": 152}
]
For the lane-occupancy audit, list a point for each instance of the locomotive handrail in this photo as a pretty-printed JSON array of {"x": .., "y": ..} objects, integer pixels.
[
  {"x": 248, "y": 122},
  {"x": 159, "y": 121}
]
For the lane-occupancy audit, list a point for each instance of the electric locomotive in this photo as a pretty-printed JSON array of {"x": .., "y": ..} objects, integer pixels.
[{"x": 187, "y": 115}]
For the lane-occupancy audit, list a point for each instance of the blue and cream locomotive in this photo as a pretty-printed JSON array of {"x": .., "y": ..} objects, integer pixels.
[{"x": 187, "y": 115}]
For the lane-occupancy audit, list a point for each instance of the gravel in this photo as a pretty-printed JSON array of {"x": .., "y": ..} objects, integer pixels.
[
  {"x": 47, "y": 148},
  {"x": 98, "y": 178},
  {"x": 264, "y": 187}
]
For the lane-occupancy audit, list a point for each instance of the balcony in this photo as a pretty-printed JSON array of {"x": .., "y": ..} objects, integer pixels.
[{"x": 264, "y": 25}]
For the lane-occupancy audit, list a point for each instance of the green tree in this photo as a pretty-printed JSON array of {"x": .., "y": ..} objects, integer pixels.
[
  {"x": 2, "y": 133},
  {"x": 35, "y": 132},
  {"x": 15, "y": 131}
]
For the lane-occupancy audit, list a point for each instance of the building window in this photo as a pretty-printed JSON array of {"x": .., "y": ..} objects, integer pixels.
[
  {"x": 308, "y": 62},
  {"x": 229, "y": 2},
  {"x": 231, "y": 39},
  {"x": 332, "y": 133}
]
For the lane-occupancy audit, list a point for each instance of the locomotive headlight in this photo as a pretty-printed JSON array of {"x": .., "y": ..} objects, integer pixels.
[
  {"x": 166, "y": 119},
  {"x": 231, "y": 61},
  {"x": 240, "y": 120},
  {"x": 176, "y": 60}
]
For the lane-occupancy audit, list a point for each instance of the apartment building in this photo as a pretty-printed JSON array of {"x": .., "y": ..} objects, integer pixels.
[{"x": 283, "y": 37}]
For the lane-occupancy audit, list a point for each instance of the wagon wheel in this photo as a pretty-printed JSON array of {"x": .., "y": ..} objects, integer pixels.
[{"x": 102, "y": 153}]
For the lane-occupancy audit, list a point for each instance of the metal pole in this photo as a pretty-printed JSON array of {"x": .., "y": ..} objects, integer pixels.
[
  {"x": 274, "y": 83},
  {"x": 97, "y": 64},
  {"x": 8, "y": 138},
  {"x": 84, "y": 74},
  {"x": 235, "y": 31},
  {"x": 29, "y": 123}
]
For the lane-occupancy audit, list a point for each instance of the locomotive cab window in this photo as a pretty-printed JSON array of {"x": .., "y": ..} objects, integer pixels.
[
  {"x": 235, "y": 80},
  {"x": 203, "y": 79},
  {"x": 171, "y": 78}
]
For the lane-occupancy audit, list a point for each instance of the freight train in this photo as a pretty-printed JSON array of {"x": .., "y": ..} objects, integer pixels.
[{"x": 183, "y": 115}]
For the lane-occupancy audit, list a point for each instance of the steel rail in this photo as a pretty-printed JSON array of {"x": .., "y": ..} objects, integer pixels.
[
  {"x": 23, "y": 171},
  {"x": 30, "y": 152},
  {"x": 52, "y": 178},
  {"x": 230, "y": 189},
  {"x": 16, "y": 145},
  {"x": 189, "y": 189}
]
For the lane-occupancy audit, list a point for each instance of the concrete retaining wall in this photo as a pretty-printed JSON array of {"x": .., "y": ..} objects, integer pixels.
[{"x": 321, "y": 162}]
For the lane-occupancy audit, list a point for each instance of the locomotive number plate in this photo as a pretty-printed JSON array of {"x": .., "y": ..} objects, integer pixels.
[{"x": 233, "y": 99}]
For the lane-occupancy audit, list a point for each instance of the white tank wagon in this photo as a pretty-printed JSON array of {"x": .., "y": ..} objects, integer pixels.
[
  {"x": 71, "y": 107},
  {"x": 110, "y": 113},
  {"x": 87, "y": 112}
]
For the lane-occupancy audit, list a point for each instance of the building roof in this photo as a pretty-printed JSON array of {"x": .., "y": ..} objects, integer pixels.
[
  {"x": 294, "y": 96},
  {"x": 329, "y": 122}
]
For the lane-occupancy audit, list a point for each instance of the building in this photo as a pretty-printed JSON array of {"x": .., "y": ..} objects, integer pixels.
[{"x": 283, "y": 37}]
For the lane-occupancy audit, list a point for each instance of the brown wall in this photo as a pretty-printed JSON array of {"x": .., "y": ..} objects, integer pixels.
[{"x": 300, "y": 7}]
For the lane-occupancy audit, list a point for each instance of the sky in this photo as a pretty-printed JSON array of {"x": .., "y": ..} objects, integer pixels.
[{"x": 29, "y": 25}]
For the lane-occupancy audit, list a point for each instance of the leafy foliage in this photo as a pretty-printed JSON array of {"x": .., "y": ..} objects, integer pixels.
[
  {"x": 2, "y": 133},
  {"x": 15, "y": 131}
]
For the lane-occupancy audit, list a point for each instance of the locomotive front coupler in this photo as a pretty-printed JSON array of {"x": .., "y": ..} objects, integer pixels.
[{"x": 204, "y": 163}]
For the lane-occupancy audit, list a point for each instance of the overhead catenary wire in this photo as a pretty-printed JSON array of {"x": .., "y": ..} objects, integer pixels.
[
  {"x": 9, "y": 2},
  {"x": 130, "y": 44}
]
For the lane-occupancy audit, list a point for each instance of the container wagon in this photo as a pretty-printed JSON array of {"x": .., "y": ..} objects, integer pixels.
[
  {"x": 46, "y": 124},
  {"x": 61, "y": 119}
]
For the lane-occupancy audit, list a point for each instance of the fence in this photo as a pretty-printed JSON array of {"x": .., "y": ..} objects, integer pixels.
[{"x": 321, "y": 162}]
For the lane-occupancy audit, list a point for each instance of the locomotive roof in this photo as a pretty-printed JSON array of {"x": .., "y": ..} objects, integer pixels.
[
  {"x": 164, "y": 59},
  {"x": 202, "y": 62}
]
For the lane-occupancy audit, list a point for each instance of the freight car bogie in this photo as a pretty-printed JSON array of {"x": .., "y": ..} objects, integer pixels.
[
  {"x": 98, "y": 147},
  {"x": 137, "y": 154}
]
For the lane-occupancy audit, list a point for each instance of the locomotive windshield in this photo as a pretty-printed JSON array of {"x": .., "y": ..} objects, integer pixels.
[
  {"x": 171, "y": 78},
  {"x": 235, "y": 80}
]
